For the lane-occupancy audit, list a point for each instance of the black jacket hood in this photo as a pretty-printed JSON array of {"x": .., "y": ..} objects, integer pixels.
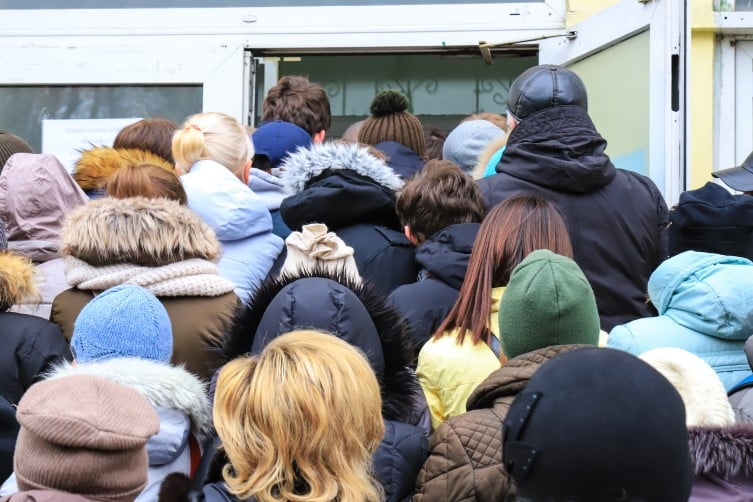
[
  {"x": 334, "y": 303},
  {"x": 445, "y": 254},
  {"x": 404, "y": 161},
  {"x": 558, "y": 148}
]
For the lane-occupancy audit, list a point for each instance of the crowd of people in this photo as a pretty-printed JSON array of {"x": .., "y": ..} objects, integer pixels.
[{"x": 207, "y": 311}]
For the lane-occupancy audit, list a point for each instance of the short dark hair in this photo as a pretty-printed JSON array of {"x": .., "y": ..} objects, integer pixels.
[
  {"x": 153, "y": 135},
  {"x": 296, "y": 100},
  {"x": 439, "y": 196},
  {"x": 434, "y": 138}
]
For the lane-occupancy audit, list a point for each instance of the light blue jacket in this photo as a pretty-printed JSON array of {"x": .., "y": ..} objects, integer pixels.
[
  {"x": 705, "y": 304},
  {"x": 239, "y": 218}
]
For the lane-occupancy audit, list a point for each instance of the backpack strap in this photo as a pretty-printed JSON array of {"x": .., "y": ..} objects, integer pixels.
[
  {"x": 494, "y": 345},
  {"x": 744, "y": 384}
]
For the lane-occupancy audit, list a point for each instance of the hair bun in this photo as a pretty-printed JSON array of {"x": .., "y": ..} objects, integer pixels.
[{"x": 388, "y": 102}]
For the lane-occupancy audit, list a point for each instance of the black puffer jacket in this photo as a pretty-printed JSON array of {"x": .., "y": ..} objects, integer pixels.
[
  {"x": 345, "y": 187},
  {"x": 617, "y": 219},
  {"x": 359, "y": 315},
  {"x": 444, "y": 258}
]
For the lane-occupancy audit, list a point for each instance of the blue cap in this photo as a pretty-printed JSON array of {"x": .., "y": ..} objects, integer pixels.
[
  {"x": 276, "y": 139},
  {"x": 123, "y": 321}
]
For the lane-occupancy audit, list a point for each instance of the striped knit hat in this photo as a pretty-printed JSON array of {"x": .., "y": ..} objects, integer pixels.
[
  {"x": 10, "y": 144},
  {"x": 390, "y": 121}
]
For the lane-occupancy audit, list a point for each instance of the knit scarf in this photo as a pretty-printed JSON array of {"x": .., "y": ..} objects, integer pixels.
[{"x": 194, "y": 277}]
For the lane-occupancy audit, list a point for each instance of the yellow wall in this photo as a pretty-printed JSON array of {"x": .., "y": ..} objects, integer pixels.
[{"x": 578, "y": 10}]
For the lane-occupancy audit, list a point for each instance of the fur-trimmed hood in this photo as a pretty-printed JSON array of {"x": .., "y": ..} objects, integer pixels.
[
  {"x": 97, "y": 164},
  {"x": 164, "y": 386},
  {"x": 486, "y": 156},
  {"x": 724, "y": 451},
  {"x": 305, "y": 164},
  {"x": 398, "y": 383},
  {"x": 139, "y": 231},
  {"x": 16, "y": 280}
]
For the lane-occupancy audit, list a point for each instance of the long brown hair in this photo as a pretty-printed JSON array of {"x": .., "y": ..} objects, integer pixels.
[{"x": 512, "y": 229}]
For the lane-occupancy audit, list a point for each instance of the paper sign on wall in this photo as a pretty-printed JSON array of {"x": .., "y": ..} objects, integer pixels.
[{"x": 66, "y": 138}]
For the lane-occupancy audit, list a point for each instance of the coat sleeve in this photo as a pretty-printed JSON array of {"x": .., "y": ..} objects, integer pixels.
[
  {"x": 621, "y": 337},
  {"x": 447, "y": 474},
  {"x": 48, "y": 348},
  {"x": 427, "y": 378}
]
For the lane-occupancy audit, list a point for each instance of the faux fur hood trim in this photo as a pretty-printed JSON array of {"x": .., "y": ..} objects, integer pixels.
[
  {"x": 164, "y": 386},
  {"x": 725, "y": 451},
  {"x": 97, "y": 164},
  {"x": 305, "y": 164},
  {"x": 399, "y": 385},
  {"x": 140, "y": 231},
  {"x": 17, "y": 281},
  {"x": 486, "y": 156}
]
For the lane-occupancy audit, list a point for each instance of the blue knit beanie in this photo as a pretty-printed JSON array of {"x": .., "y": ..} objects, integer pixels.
[{"x": 124, "y": 321}]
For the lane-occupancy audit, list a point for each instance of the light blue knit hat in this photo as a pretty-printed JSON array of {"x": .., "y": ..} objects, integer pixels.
[{"x": 123, "y": 321}]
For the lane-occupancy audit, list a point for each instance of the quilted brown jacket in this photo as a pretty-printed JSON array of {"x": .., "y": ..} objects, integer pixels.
[{"x": 465, "y": 460}]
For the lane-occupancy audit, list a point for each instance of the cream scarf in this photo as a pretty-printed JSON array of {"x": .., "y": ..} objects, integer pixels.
[{"x": 194, "y": 277}]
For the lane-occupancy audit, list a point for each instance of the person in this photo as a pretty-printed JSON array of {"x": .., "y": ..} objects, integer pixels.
[
  {"x": 324, "y": 180},
  {"x": 36, "y": 194},
  {"x": 82, "y": 438},
  {"x": 462, "y": 353},
  {"x": 740, "y": 395},
  {"x": 158, "y": 244},
  {"x": 296, "y": 100},
  {"x": 209, "y": 150},
  {"x": 10, "y": 144},
  {"x": 468, "y": 140},
  {"x": 350, "y": 134},
  {"x": 703, "y": 307},
  {"x": 396, "y": 132},
  {"x": 31, "y": 346},
  {"x": 154, "y": 135},
  {"x": 441, "y": 209},
  {"x": 497, "y": 119},
  {"x": 579, "y": 431},
  {"x": 712, "y": 220},
  {"x": 548, "y": 309},
  {"x": 738, "y": 178},
  {"x": 273, "y": 142},
  {"x": 150, "y": 181},
  {"x": 288, "y": 448},
  {"x": 616, "y": 219},
  {"x": 434, "y": 137},
  {"x": 719, "y": 448},
  {"x": 124, "y": 335},
  {"x": 334, "y": 301}
]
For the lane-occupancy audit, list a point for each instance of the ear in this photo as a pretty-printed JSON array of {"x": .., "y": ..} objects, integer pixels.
[
  {"x": 246, "y": 170},
  {"x": 409, "y": 235},
  {"x": 319, "y": 137}
]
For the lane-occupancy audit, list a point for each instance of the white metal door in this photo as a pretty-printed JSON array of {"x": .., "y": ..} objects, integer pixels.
[{"x": 631, "y": 59}]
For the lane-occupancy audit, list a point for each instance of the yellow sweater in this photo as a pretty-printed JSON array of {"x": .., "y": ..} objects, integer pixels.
[{"x": 449, "y": 372}]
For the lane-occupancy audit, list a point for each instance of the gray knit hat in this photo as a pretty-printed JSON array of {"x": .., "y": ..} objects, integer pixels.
[
  {"x": 468, "y": 140},
  {"x": 548, "y": 301},
  {"x": 86, "y": 435},
  {"x": 10, "y": 144}
]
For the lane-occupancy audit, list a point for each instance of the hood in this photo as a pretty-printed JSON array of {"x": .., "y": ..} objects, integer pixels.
[
  {"x": 445, "y": 254},
  {"x": 97, "y": 164},
  {"x": 16, "y": 280},
  {"x": 705, "y": 292},
  {"x": 36, "y": 192},
  {"x": 560, "y": 149},
  {"x": 164, "y": 386},
  {"x": 228, "y": 206},
  {"x": 724, "y": 451},
  {"x": 403, "y": 161},
  {"x": 48, "y": 496},
  {"x": 141, "y": 231},
  {"x": 339, "y": 305},
  {"x": 513, "y": 376},
  {"x": 486, "y": 156},
  {"x": 302, "y": 166},
  {"x": 269, "y": 187}
]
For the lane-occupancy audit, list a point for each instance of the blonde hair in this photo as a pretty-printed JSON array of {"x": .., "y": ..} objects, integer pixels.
[
  {"x": 213, "y": 136},
  {"x": 300, "y": 421}
]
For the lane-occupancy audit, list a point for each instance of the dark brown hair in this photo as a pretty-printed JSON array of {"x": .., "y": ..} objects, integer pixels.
[
  {"x": 434, "y": 138},
  {"x": 145, "y": 180},
  {"x": 153, "y": 135},
  {"x": 512, "y": 229},
  {"x": 440, "y": 195},
  {"x": 294, "y": 99},
  {"x": 495, "y": 118}
]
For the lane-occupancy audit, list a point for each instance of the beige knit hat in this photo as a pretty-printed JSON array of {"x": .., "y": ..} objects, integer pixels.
[
  {"x": 316, "y": 248},
  {"x": 702, "y": 391},
  {"x": 391, "y": 121},
  {"x": 85, "y": 435}
]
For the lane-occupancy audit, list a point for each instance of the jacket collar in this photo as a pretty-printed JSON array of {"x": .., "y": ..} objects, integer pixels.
[{"x": 725, "y": 451}]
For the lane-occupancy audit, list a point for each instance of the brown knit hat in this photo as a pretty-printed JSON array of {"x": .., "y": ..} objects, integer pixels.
[
  {"x": 390, "y": 121},
  {"x": 85, "y": 435},
  {"x": 10, "y": 144}
]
